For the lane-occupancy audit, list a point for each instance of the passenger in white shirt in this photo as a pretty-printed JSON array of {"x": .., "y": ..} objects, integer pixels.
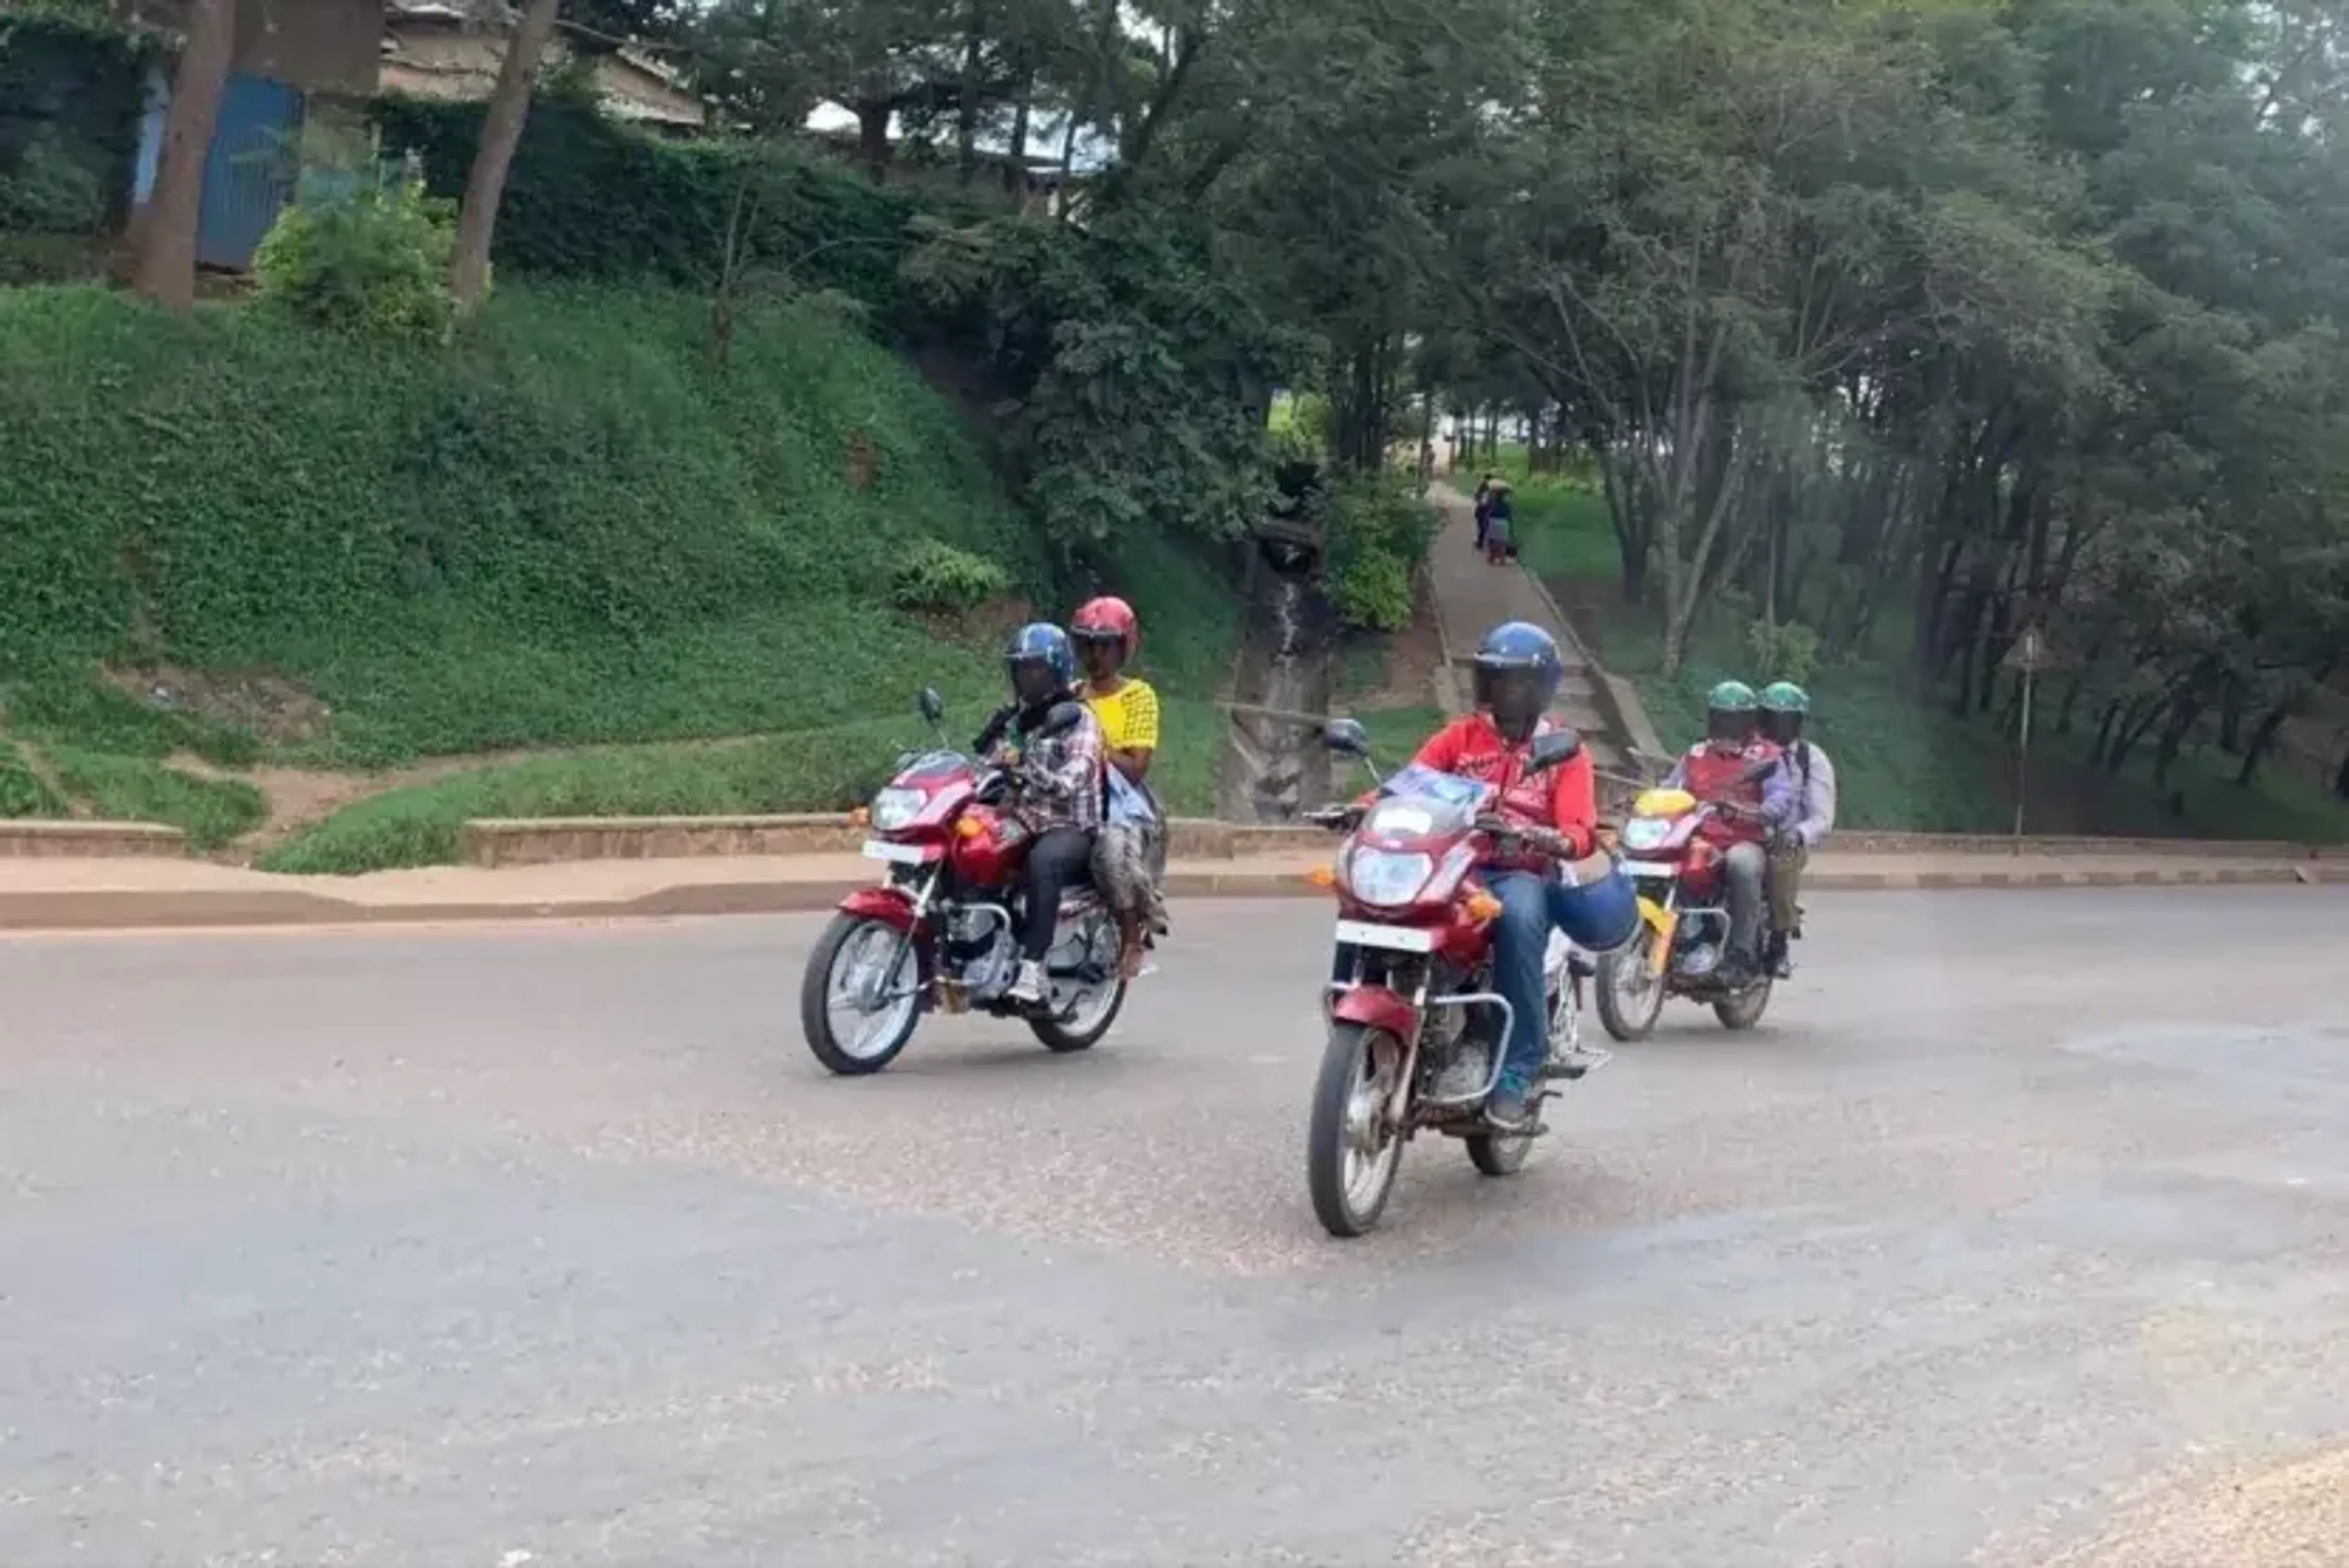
[{"x": 1784, "y": 706}]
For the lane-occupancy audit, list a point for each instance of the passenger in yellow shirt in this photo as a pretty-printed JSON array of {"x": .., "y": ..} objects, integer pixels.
[{"x": 1130, "y": 852}]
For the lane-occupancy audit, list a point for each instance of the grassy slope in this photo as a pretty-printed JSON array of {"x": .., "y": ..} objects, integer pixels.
[
  {"x": 566, "y": 531},
  {"x": 1901, "y": 764}
]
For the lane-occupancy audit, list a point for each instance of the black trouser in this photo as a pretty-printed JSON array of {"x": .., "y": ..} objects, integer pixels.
[{"x": 1059, "y": 859}]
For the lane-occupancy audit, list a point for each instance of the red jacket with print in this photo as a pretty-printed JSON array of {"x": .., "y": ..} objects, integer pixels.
[{"x": 1566, "y": 797}]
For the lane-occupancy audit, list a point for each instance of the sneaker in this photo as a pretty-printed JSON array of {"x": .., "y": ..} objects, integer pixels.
[
  {"x": 1511, "y": 1109},
  {"x": 1463, "y": 1078},
  {"x": 1028, "y": 987}
]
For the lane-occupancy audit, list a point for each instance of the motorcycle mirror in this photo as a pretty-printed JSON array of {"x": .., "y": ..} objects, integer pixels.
[
  {"x": 1347, "y": 738},
  {"x": 932, "y": 705},
  {"x": 1555, "y": 746},
  {"x": 1061, "y": 719}
]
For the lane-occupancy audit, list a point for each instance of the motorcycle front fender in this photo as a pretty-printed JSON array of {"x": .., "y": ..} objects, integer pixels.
[
  {"x": 890, "y": 906},
  {"x": 1377, "y": 1007},
  {"x": 1661, "y": 923}
]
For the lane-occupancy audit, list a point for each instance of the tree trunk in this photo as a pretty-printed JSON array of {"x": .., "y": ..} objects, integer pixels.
[
  {"x": 485, "y": 188},
  {"x": 1061, "y": 204},
  {"x": 2264, "y": 734},
  {"x": 166, "y": 267},
  {"x": 1015, "y": 170},
  {"x": 967, "y": 98},
  {"x": 872, "y": 137}
]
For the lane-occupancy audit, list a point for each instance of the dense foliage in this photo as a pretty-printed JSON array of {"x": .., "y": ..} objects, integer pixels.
[
  {"x": 1926, "y": 322},
  {"x": 373, "y": 260},
  {"x": 72, "y": 92},
  {"x": 561, "y": 528},
  {"x": 591, "y": 199},
  {"x": 1137, "y": 378}
]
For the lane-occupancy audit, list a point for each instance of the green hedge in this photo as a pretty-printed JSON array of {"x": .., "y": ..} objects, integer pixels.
[
  {"x": 72, "y": 93},
  {"x": 592, "y": 198}
]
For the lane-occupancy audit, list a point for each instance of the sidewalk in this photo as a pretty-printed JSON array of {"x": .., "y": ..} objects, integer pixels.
[
  {"x": 1472, "y": 598},
  {"x": 134, "y": 893}
]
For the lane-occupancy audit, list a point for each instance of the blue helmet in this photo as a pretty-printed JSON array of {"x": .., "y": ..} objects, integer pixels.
[
  {"x": 1042, "y": 661},
  {"x": 1518, "y": 672}
]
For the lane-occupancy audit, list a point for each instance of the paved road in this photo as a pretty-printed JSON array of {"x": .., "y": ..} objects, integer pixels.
[{"x": 447, "y": 1248}]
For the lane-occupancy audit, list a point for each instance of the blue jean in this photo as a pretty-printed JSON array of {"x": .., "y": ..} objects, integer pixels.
[{"x": 1600, "y": 916}]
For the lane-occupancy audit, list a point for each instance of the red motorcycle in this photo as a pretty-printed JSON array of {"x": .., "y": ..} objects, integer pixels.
[
  {"x": 1684, "y": 912},
  {"x": 1416, "y": 1030},
  {"x": 941, "y": 929}
]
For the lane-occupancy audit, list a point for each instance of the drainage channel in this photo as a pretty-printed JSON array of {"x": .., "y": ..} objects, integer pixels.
[{"x": 1273, "y": 761}]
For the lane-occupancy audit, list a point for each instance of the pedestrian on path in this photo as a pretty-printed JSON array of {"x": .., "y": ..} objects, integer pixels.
[
  {"x": 1483, "y": 506},
  {"x": 1498, "y": 536}
]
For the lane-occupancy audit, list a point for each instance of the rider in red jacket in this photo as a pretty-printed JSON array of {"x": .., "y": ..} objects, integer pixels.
[
  {"x": 1549, "y": 875},
  {"x": 1564, "y": 799},
  {"x": 1735, "y": 768}
]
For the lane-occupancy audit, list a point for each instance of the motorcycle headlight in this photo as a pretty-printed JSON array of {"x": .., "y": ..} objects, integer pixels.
[
  {"x": 1385, "y": 879},
  {"x": 894, "y": 808},
  {"x": 1645, "y": 831}
]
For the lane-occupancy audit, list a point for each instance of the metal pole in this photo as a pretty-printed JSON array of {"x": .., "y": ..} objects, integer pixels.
[{"x": 2023, "y": 755}]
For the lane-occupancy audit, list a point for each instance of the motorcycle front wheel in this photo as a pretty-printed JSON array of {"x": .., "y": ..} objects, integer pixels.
[
  {"x": 1630, "y": 992},
  {"x": 1352, "y": 1155},
  {"x": 851, "y": 1030}
]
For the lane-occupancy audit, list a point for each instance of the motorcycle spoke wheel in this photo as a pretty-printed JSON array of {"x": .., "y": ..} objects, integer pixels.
[
  {"x": 1630, "y": 994},
  {"x": 1353, "y": 1154},
  {"x": 858, "y": 1007}
]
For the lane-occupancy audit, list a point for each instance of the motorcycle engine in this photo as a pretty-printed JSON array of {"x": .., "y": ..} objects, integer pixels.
[{"x": 980, "y": 947}]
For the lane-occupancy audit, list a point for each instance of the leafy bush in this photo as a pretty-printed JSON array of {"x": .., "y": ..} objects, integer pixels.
[
  {"x": 589, "y": 199},
  {"x": 560, "y": 529},
  {"x": 373, "y": 261},
  {"x": 22, "y": 793},
  {"x": 49, "y": 258},
  {"x": 936, "y": 576},
  {"x": 48, "y": 192},
  {"x": 1378, "y": 531},
  {"x": 73, "y": 88},
  {"x": 1788, "y": 650},
  {"x": 1135, "y": 371}
]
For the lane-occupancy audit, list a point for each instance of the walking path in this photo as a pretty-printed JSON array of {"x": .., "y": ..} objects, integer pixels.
[{"x": 1471, "y": 598}]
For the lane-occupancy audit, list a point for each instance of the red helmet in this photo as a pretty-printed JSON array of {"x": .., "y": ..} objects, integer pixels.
[{"x": 1107, "y": 619}]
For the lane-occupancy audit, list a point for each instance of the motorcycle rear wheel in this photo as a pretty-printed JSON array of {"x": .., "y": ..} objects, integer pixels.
[
  {"x": 1744, "y": 1011},
  {"x": 1058, "y": 1037},
  {"x": 1094, "y": 1011},
  {"x": 1499, "y": 1154},
  {"x": 1351, "y": 1159}
]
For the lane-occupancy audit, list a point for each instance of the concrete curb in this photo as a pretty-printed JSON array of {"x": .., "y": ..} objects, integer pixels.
[{"x": 90, "y": 910}]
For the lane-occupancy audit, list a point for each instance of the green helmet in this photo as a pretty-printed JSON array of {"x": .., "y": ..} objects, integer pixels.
[
  {"x": 1731, "y": 697},
  {"x": 1785, "y": 697}
]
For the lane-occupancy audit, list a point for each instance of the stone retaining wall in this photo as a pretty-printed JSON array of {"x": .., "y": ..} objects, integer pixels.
[
  {"x": 533, "y": 843},
  {"x": 90, "y": 840},
  {"x": 541, "y": 842}
]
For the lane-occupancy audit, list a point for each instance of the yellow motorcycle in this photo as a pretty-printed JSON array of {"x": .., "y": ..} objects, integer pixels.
[{"x": 1683, "y": 908}]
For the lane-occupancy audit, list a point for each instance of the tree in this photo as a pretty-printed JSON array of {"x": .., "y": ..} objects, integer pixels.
[
  {"x": 477, "y": 219},
  {"x": 165, "y": 267}
]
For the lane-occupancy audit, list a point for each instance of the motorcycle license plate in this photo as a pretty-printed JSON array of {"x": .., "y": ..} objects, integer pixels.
[
  {"x": 1649, "y": 868},
  {"x": 1394, "y": 938},
  {"x": 894, "y": 854}
]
